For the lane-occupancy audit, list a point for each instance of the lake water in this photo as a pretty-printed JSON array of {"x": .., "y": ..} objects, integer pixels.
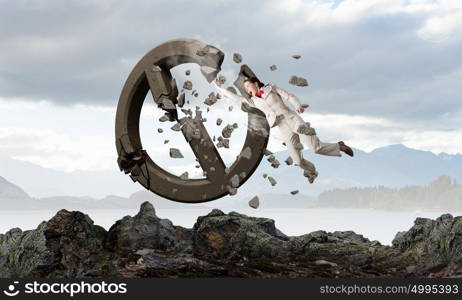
[{"x": 373, "y": 224}]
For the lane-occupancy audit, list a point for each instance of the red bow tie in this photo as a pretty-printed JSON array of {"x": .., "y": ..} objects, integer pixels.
[{"x": 259, "y": 93}]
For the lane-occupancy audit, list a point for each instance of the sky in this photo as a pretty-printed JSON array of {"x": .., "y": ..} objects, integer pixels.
[{"x": 381, "y": 72}]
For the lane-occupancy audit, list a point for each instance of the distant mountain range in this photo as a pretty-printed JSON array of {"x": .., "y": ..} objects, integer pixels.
[
  {"x": 44, "y": 182},
  {"x": 442, "y": 194},
  {"x": 13, "y": 197},
  {"x": 392, "y": 166}
]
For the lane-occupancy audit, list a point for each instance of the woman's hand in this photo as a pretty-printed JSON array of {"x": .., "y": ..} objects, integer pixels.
[{"x": 300, "y": 109}]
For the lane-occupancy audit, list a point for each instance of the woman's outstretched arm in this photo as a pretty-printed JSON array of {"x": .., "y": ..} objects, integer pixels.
[
  {"x": 291, "y": 98},
  {"x": 229, "y": 94}
]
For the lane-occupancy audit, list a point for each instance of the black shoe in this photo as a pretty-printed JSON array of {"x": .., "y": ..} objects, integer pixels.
[{"x": 345, "y": 149}]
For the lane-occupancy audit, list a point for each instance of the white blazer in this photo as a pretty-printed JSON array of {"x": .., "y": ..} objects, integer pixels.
[{"x": 270, "y": 103}]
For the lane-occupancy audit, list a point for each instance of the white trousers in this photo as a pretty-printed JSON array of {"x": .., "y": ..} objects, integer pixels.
[{"x": 288, "y": 130}]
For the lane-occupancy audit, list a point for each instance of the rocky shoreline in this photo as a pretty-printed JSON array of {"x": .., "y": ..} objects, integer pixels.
[{"x": 223, "y": 245}]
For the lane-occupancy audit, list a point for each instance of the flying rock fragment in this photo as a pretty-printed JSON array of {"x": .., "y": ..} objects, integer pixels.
[
  {"x": 181, "y": 100},
  {"x": 160, "y": 130},
  {"x": 223, "y": 143},
  {"x": 237, "y": 58},
  {"x": 298, "y": 81},
  {"x": 166, "y": 104},
  {"x": 187, "y": 112},
  {"x": 164, "y": 118},
  {"x": 296, "y": 56},
  {"x": 275, "y": 163},
  {"x": 273, "y": 67},
  {"x": 254, "y": 202},
  {"x": 184, "y": 176},
  {"x": 219, "y": 121},
  {"x": 272, "y": 180},
  {"x": 221, "y": 80},
  {"x": 228, "y": 130},
  {"x": 211, "y": 99},
  {"x": 311, "y": 176},
  {"x": 231, "y": 89},
  {"x": 294, "y": 192},
  {"x": 289, "y": 161},
  {"x": 176, "y": 127},
  {"x": 175, "y": 153}
]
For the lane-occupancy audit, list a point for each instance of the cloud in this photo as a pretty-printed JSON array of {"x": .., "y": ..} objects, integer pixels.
[
  {"x": 361, "y": 52},
  {"x": 57, "y": 151}
]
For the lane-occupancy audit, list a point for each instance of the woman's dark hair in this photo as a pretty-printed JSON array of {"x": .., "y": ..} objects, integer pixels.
[{"x": 254, "y": 80}]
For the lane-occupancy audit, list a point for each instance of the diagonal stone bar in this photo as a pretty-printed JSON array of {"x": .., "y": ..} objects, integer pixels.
[{"x": 205, "y": 151}]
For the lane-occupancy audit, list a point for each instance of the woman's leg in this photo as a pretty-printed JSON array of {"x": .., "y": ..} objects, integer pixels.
[
  {"x": 292, "y": 142},
  {"x": 312, "y": 141}
]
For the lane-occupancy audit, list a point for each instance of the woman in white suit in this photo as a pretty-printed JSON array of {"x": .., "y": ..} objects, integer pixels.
[{"x": 269, "y": 99}]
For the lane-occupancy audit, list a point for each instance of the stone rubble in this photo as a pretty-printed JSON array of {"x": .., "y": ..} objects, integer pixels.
[
  {"x": 272, "y": 181},
  {"x": 298, "y": 81},
  {"x": 254, "y": 202},
  {"x": 237, "y": 58},
  {"x": 228, "y": 130},
  {"x": 211, "y": 99},
  {"x": 175, "y": 153}
]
